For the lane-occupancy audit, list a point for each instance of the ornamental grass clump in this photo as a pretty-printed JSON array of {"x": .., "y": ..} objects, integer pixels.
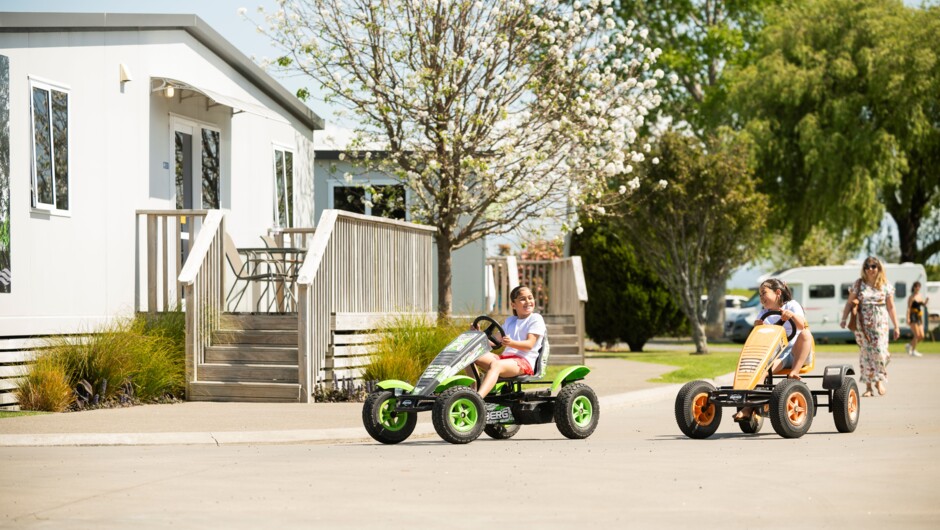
[
  {"x": 46, "y": 387},
  {"x": 128, "y": 361},
  {"x": 408, "y": 345}
]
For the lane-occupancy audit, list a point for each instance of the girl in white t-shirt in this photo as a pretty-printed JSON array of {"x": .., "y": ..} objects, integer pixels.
[
  {"x": 775, "y": 295},
  {"x": 524, "y": 333}
]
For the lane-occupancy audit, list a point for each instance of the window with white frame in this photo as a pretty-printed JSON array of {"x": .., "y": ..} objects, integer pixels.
[
  {"x": 381, "y": 200},
  {"x": 283, "y": 188},
  {"x": 50, "y": 120}
]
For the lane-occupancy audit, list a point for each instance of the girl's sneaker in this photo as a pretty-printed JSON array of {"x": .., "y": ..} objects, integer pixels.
[
  {"x": 908, "y": 349},
  {"x": 916, "y": 353}
]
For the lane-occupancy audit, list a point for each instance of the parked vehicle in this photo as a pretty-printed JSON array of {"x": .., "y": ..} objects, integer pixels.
[
  {"x": 932, "y": 293},
  {"x": 732, "y": 302},
  {"x": 790, "y": 403},
  {"x": 823, "y": 291}
]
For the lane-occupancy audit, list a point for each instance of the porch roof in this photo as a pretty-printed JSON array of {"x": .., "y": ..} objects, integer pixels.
[
  {"x": 192, "y": 24},
  {"x": 237, "y": 105}
]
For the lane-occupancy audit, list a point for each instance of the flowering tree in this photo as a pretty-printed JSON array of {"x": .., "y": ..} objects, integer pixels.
[{"x": 491, "y": 113}]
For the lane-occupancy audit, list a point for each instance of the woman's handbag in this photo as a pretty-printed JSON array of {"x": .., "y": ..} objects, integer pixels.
[{"x": 853, "y": 317}]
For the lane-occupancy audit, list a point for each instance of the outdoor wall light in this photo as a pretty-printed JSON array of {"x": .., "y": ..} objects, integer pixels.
[
  {"x": 169, "y": 91},
  {"x": 124, "y": 74}
]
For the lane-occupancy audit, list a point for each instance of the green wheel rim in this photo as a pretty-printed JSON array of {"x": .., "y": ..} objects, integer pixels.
[
  {"x": 390, "y": 420},
  {"x": 463, "y": 415},
  {"x": 582, "y": 411}
]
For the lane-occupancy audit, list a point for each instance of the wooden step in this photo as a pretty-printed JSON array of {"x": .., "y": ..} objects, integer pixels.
[
  {"x": 244, "y": 392},
  {"x": 563, "y": 349},
  {"x": 561, "y": 329},
  {"x": 563, "y": 340},
  {"x": 565, "y": 360},
  {"x": 258, "y": 373},
  {"x": 256, "y": 336},
  {"x": 248, "y": 321},
  {"x": 251, "y": 354},
  {"x": 559, "y": 319}
]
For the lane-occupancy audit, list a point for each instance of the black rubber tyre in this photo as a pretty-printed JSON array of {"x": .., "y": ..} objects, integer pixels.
[
  {"x": 846, "y": 406},
  {"x": 459, "y": 415},
  {"x": 502, "y": 431},
  {"x": 576, "y": 411},
  {"x": 753, "y": 424},
  {"x": 381, "y": 423},
  {"x": 791, "y": 408},
  {"x": 696, "y": 415}
]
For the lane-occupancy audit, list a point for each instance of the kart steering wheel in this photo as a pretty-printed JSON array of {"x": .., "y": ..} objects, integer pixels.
[
  {"x": 494, "y": 325},
  {"x": 781, "y": 323}
]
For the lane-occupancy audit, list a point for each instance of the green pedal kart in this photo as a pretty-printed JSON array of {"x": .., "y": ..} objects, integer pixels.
[{"x": 460, "y": 415}]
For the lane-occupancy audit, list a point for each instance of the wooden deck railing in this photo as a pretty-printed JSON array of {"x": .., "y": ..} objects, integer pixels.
[
  {"x": 358, "y": 264},
  {"x": 163, "y": 236},
  {"x": 202, "y": 280}
]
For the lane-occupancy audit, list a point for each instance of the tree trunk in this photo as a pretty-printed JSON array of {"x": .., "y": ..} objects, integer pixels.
[
  {"x": 907, "y": 236},
  {"x": 691, "y": 306},
  {"x": 698, "y": 336},
  {"x": 715, "y": 311},
  {"x": 445, "y": 295}
]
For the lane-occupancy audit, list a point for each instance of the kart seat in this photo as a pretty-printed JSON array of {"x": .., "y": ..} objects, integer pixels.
[
  {"x": 538, "y": 371},
  {"x": 808, "y": 365}
]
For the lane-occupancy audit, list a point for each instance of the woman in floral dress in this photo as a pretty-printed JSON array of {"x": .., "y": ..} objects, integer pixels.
[{"x": 875, "y": 310}]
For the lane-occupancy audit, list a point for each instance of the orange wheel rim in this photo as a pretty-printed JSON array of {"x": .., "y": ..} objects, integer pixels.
[
  {"x": 853, "y": 404},
  {"x": 703, "y": 412},
  {"x": 796, "y": 408}
]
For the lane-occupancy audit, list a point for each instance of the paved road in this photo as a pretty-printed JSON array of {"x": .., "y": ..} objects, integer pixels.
[{"x": 637, "y": 471}]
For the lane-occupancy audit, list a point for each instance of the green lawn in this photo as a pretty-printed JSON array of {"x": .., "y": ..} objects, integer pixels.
[
  {"x": 690, "y": 367},
  {"x": 716, "y": 363}
]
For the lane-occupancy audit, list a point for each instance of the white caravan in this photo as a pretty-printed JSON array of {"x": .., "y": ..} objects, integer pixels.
[{"x": 823, "y": 291}]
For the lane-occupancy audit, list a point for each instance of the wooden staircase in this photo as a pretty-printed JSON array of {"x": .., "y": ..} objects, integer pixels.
[
  {"x": 252, "y": 358},
  {"x": 563, "y": 337}
]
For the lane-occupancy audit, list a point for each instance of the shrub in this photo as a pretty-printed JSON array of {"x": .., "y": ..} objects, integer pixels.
[
  {"x": 626, "y": 302},
  {"x": 46, "y": 387},
  {"x": 141, "y": 360},
  {"x": 407, "y": 346}
]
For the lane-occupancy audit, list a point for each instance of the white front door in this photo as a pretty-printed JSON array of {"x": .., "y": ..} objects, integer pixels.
[
  {"x": 197, "y": 164},
  {"x": 196, "y": 171}
]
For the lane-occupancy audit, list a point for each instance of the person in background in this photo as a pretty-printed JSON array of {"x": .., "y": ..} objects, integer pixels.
[
  {"x": 916, "y": 304},
  {"x": 875, "y": 311}
]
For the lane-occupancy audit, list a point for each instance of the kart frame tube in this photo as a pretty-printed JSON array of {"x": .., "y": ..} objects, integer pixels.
[{"x": 726, "y": 396}]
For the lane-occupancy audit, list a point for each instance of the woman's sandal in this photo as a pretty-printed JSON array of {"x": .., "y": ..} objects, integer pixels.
[
  {"x": 881, "y": 389},
  {"x": 867, "y": 393}
]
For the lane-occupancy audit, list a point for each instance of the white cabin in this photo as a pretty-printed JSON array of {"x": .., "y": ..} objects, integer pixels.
[{"x": 103, "y": 116}]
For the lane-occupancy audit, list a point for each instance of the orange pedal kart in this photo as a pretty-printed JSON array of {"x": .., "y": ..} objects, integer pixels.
[{"x": 790, "y": 403}]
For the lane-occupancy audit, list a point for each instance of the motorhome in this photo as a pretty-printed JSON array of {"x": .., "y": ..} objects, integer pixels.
[{"x": 823, "y": 291}]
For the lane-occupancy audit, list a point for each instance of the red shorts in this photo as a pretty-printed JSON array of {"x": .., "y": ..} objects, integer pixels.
[{"x": 524, "y": 365}]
